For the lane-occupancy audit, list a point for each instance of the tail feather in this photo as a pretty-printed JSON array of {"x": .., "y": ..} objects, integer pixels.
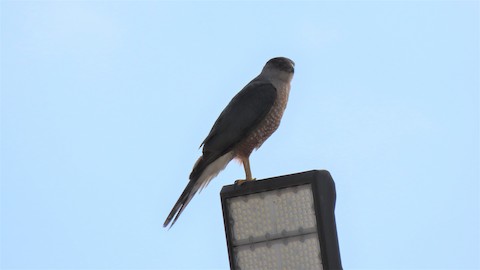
[
  {"x": 203, "y": 172},
  {"x": 180, "y": 205}
]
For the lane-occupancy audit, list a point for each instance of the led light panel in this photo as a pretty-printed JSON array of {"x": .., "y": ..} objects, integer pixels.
[
  {"x": 284, "y": 222},
  {"x": 299, "y": 252},
  {"x": 272, "y": 214}
]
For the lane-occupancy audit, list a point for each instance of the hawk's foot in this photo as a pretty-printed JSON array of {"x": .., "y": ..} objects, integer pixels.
[{"x": 242, "y": 181}]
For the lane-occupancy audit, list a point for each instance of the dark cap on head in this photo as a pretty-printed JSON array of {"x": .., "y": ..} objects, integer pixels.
[{"x": 282, "y": 63}]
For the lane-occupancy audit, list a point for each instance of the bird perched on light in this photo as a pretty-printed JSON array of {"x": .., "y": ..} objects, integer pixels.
[{"x": 245, "y": 124}]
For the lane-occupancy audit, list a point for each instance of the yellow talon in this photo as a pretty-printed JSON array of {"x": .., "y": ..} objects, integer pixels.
[{"x": 242, "y": 181}]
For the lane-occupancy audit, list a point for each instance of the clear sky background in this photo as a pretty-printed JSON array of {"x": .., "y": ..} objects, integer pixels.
[{"x": 104, "y": 105}]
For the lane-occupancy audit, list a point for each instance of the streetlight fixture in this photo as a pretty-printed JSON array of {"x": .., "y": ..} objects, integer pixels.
[{"x": 285, "y": 222}]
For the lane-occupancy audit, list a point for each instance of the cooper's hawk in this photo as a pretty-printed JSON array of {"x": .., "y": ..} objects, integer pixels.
[{"x": 247, "y": 121}]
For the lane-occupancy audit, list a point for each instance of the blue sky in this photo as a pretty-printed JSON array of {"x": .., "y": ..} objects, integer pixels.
[{"x": 104, "y": 105}]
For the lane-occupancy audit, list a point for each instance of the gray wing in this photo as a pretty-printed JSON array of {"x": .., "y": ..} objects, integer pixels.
[{"x": 242, "y": 115}]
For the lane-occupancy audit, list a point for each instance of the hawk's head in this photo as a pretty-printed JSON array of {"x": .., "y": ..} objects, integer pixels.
[{"x": 282, "y": 64}]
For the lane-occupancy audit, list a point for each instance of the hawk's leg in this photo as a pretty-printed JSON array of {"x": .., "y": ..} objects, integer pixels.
[{"x": 248, "y": 172}]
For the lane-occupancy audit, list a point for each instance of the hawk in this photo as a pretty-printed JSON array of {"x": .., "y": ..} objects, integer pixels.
[{"x": 244, "y": 125}]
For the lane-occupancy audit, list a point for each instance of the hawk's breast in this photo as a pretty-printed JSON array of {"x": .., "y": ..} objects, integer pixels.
[{"x": 268, "y": 125}]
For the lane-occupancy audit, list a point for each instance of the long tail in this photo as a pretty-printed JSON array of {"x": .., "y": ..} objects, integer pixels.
[
  {"x": 180, "y": 205},
  {"x": 203, "y": 172}
]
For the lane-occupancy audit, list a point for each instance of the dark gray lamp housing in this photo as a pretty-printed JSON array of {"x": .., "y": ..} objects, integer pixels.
[{"x": 284, "y": 222}]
